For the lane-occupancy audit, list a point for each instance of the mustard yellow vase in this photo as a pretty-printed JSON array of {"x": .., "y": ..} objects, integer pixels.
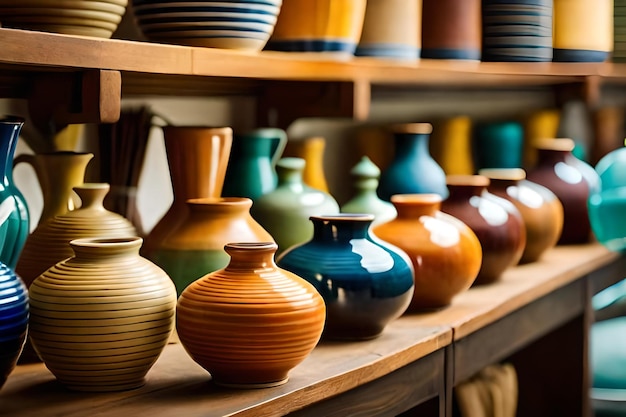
[
  {"x": 312, "y": 151},
  {"x": 451, "y": 145}
]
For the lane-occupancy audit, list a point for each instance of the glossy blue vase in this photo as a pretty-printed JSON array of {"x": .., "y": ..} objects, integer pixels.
[
  {"x": 412, "y": 169},
  {"x": 13, "y": 320},
  {"x": 14, "y": 216},
  {"x": 365, "y": 282}
]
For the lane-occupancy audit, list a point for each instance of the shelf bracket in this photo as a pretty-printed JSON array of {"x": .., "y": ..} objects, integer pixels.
[
  {"x": 282, "y": 102},
  {"x": 588, "y": 90},
  {"x": 59, "y": 99}
]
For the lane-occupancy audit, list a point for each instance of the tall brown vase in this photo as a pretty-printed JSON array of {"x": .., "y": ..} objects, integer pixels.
[{"x": 197, "y": 157}]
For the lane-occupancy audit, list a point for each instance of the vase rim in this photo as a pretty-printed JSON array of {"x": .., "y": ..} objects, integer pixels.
[
  {"x": 219, "y": 129},
  {"x": 94, "y": 242},
  {"x": 251, "y": 246},
  {"x": 555, "y": 144},
  {"x": 222, "y": 201},
  {"x": 471, "y": 180},
  {"x": 512, "y": 174},
  {"x": 12, "y": 119},
  {"x": 343, "y": 217},
  {"x": 431, "y": 198},
  {"x": 414, "y": 128},
  {"x": 92, "y": 186}
]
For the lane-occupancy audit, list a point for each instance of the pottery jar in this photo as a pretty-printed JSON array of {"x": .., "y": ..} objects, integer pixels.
[
  {"x": 197, "y": 157},
  {"x": 251, "y": 322},
  {"x": 310, "y": 149},
  {"x": 100, "y": 319},
  {"x": 196, "y": 246},
  {"x": 451, "y": 29},
  {"x": 365, "y": 283},
  {"x": 285, "y": 211},
  {"x": 445, "y": 252},
  {"x": 540, "y": 209},
  {"x": 13, "y": 320},
  {"x": 496, "y": 222},
  {"x": 498, "y": 144},
  {"x": 412, "y": 169}
]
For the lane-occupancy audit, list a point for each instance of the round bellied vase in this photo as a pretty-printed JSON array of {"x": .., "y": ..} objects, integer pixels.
[
  {"x": 14, "y": 311},
  {"x": 196, "y": 247},
  {"x": 496, "y": 222},
  {"x": 100, "y": 319},
  {"x": 365, "y": 199},
  {"x": 412, "y": 169},
  {"x": 571, "y": 180},
  {"x": 540, "y": 208},
  {"x": 251, "y": 322},
  {"x": 445, "y": 252},
  {"x": 365, "y": 282},
  {"x": 285, "y": 211}
]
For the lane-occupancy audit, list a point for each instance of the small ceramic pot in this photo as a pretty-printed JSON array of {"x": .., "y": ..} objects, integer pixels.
[
  {"x": 365, "y": 283},
  {"x": 445, "y": 253},
  {"x": 451, "y": 29},
  {"x": 251, "y": 322}
]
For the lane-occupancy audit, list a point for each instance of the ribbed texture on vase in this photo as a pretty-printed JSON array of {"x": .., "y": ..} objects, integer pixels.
[{"x": 13, "y": 320}]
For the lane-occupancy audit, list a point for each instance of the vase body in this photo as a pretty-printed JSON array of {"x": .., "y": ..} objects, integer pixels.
[
  {"x": 496, "y": 222},
  {"x": 451, "y": 29},
  {"x": 58, "y": 173},
  {"x": 451, "y": 146},
  {"x": 197, "y": 158},
  {"x": 100, "y": 319},
  {"x": 365, "y": 199},
  {"x": 14, "y": 312},
  {"x": 412, "y": 170},
  {"x": 251, "y": 322},
  {"x": 498, "y": 145},
  {"x": 391, "y": 29},
  {"x": 196, "y": 247},
  {"x": 251, "y": 168},
  {"x": 49, "y": 242},
  {"x": 445, "y": 252},
  {"x": 365, "y": 283},
  {"x": 312, "y": 151},
  {"x": 14, "y": 215},
  {"x": 562, "y": 173},
  {"x": 541, "y": 210},
  {"x": 285, "y": 211}
]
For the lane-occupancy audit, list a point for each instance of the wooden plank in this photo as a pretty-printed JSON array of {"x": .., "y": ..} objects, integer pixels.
[{"x": 177, "y": 383}]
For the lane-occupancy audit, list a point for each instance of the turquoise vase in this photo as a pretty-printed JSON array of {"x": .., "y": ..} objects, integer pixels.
[
  {"x": 365, "y": 199},
  {"x": 498, "y": 145},
  {"x": 285, "y": 211},
  {"x": 14, "y": 216},
  {"x": 251, "y": 168},
  {"x": 14, "y": 314},
  {"x": 412, "y": 169},
  {"x": 365, "y": 282}
]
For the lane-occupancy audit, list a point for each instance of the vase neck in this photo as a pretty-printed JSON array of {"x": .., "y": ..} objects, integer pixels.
[
  {"x": 211, "y": 208},
  {"x": 341, "y": 228},
  {"x": 411, "y": 144},
  {"x": 551, "y": 156},
  {"x": 464, "y": 192},
  {"x": 9, "y": 132},
  {"x": 103, "y": 248},
  {"x": 414, "y": 208},
  {"x": 251, "y": 256},
  {"x": 289, "y": 171}
]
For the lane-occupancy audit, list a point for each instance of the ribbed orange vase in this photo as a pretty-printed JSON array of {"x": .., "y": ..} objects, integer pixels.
[{"x": 250, "y": 323}]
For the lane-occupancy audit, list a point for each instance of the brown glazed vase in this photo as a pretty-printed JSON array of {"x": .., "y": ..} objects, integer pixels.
[
  {"x": 571, "y": 180},
  {"x": 496, "y": 222},
  {"x": 541, "y": 210},
  {"x": 100, "y": 319},
  {"x": 197, "y": 157},
  {"x": 196, "y": 246},
  {"x": 251, "y": 322},
  {"x": 445, "y": 253}
]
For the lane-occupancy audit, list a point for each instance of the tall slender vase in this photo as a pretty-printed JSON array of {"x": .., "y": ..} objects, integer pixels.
[
  {"x": 197, "y": 157},
  {"x": 312, "y": 151},
  {"x": 14, "y": 215},
  {"x": 412, "y": 170},
  {"x": 365, "y": 282}
]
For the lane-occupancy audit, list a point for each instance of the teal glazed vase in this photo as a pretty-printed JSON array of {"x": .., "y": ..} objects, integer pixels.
[
  {"x": 365, "y": 199},
  {"x": 14, "y": 315},
  {"x": 14, "y": 215},
  {"x": 251, "y": 168},
  {"x": 285, "y": 211},
  {"x": 412, "y": 169},
  {"x": 498, "y": 145},
  {"x": 365, "y": 282}
]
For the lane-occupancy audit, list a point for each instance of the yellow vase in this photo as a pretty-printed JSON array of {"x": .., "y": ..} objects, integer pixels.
[
  {"x": 312, "y": 151},
  {"x": 539, "y": 126},
  {"x": 451, "y": 146}
]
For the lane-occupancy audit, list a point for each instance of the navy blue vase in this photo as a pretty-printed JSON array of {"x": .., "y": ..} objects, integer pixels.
[
  {"x": 13, "y": 320},
  {"x": 412, "y": 169},
  {"x": 365, "y": 283}
]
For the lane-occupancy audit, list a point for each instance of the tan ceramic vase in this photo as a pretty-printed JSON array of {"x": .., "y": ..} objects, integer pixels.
[
  {"x": 446, "y": 254},
  {"x": 196, "y": 246},
  {"x": 100, "y": 319},
  {"x": 540, "y": 208},
  {"x": 49, "y": 243},
  {"x": 312, "y": 151},
  {"x": 197, "y": 158},
  {"x": 251, "y": 322},
  {"x": 58, "y": 173}
]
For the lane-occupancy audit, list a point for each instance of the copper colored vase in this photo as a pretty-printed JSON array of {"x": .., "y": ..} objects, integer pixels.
[
  {"x": 496, "y": 222},
  {"x": 451, "y": 29},
  {"x": 251, "y": 322},
  {"x": 446, "y": 254}
]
